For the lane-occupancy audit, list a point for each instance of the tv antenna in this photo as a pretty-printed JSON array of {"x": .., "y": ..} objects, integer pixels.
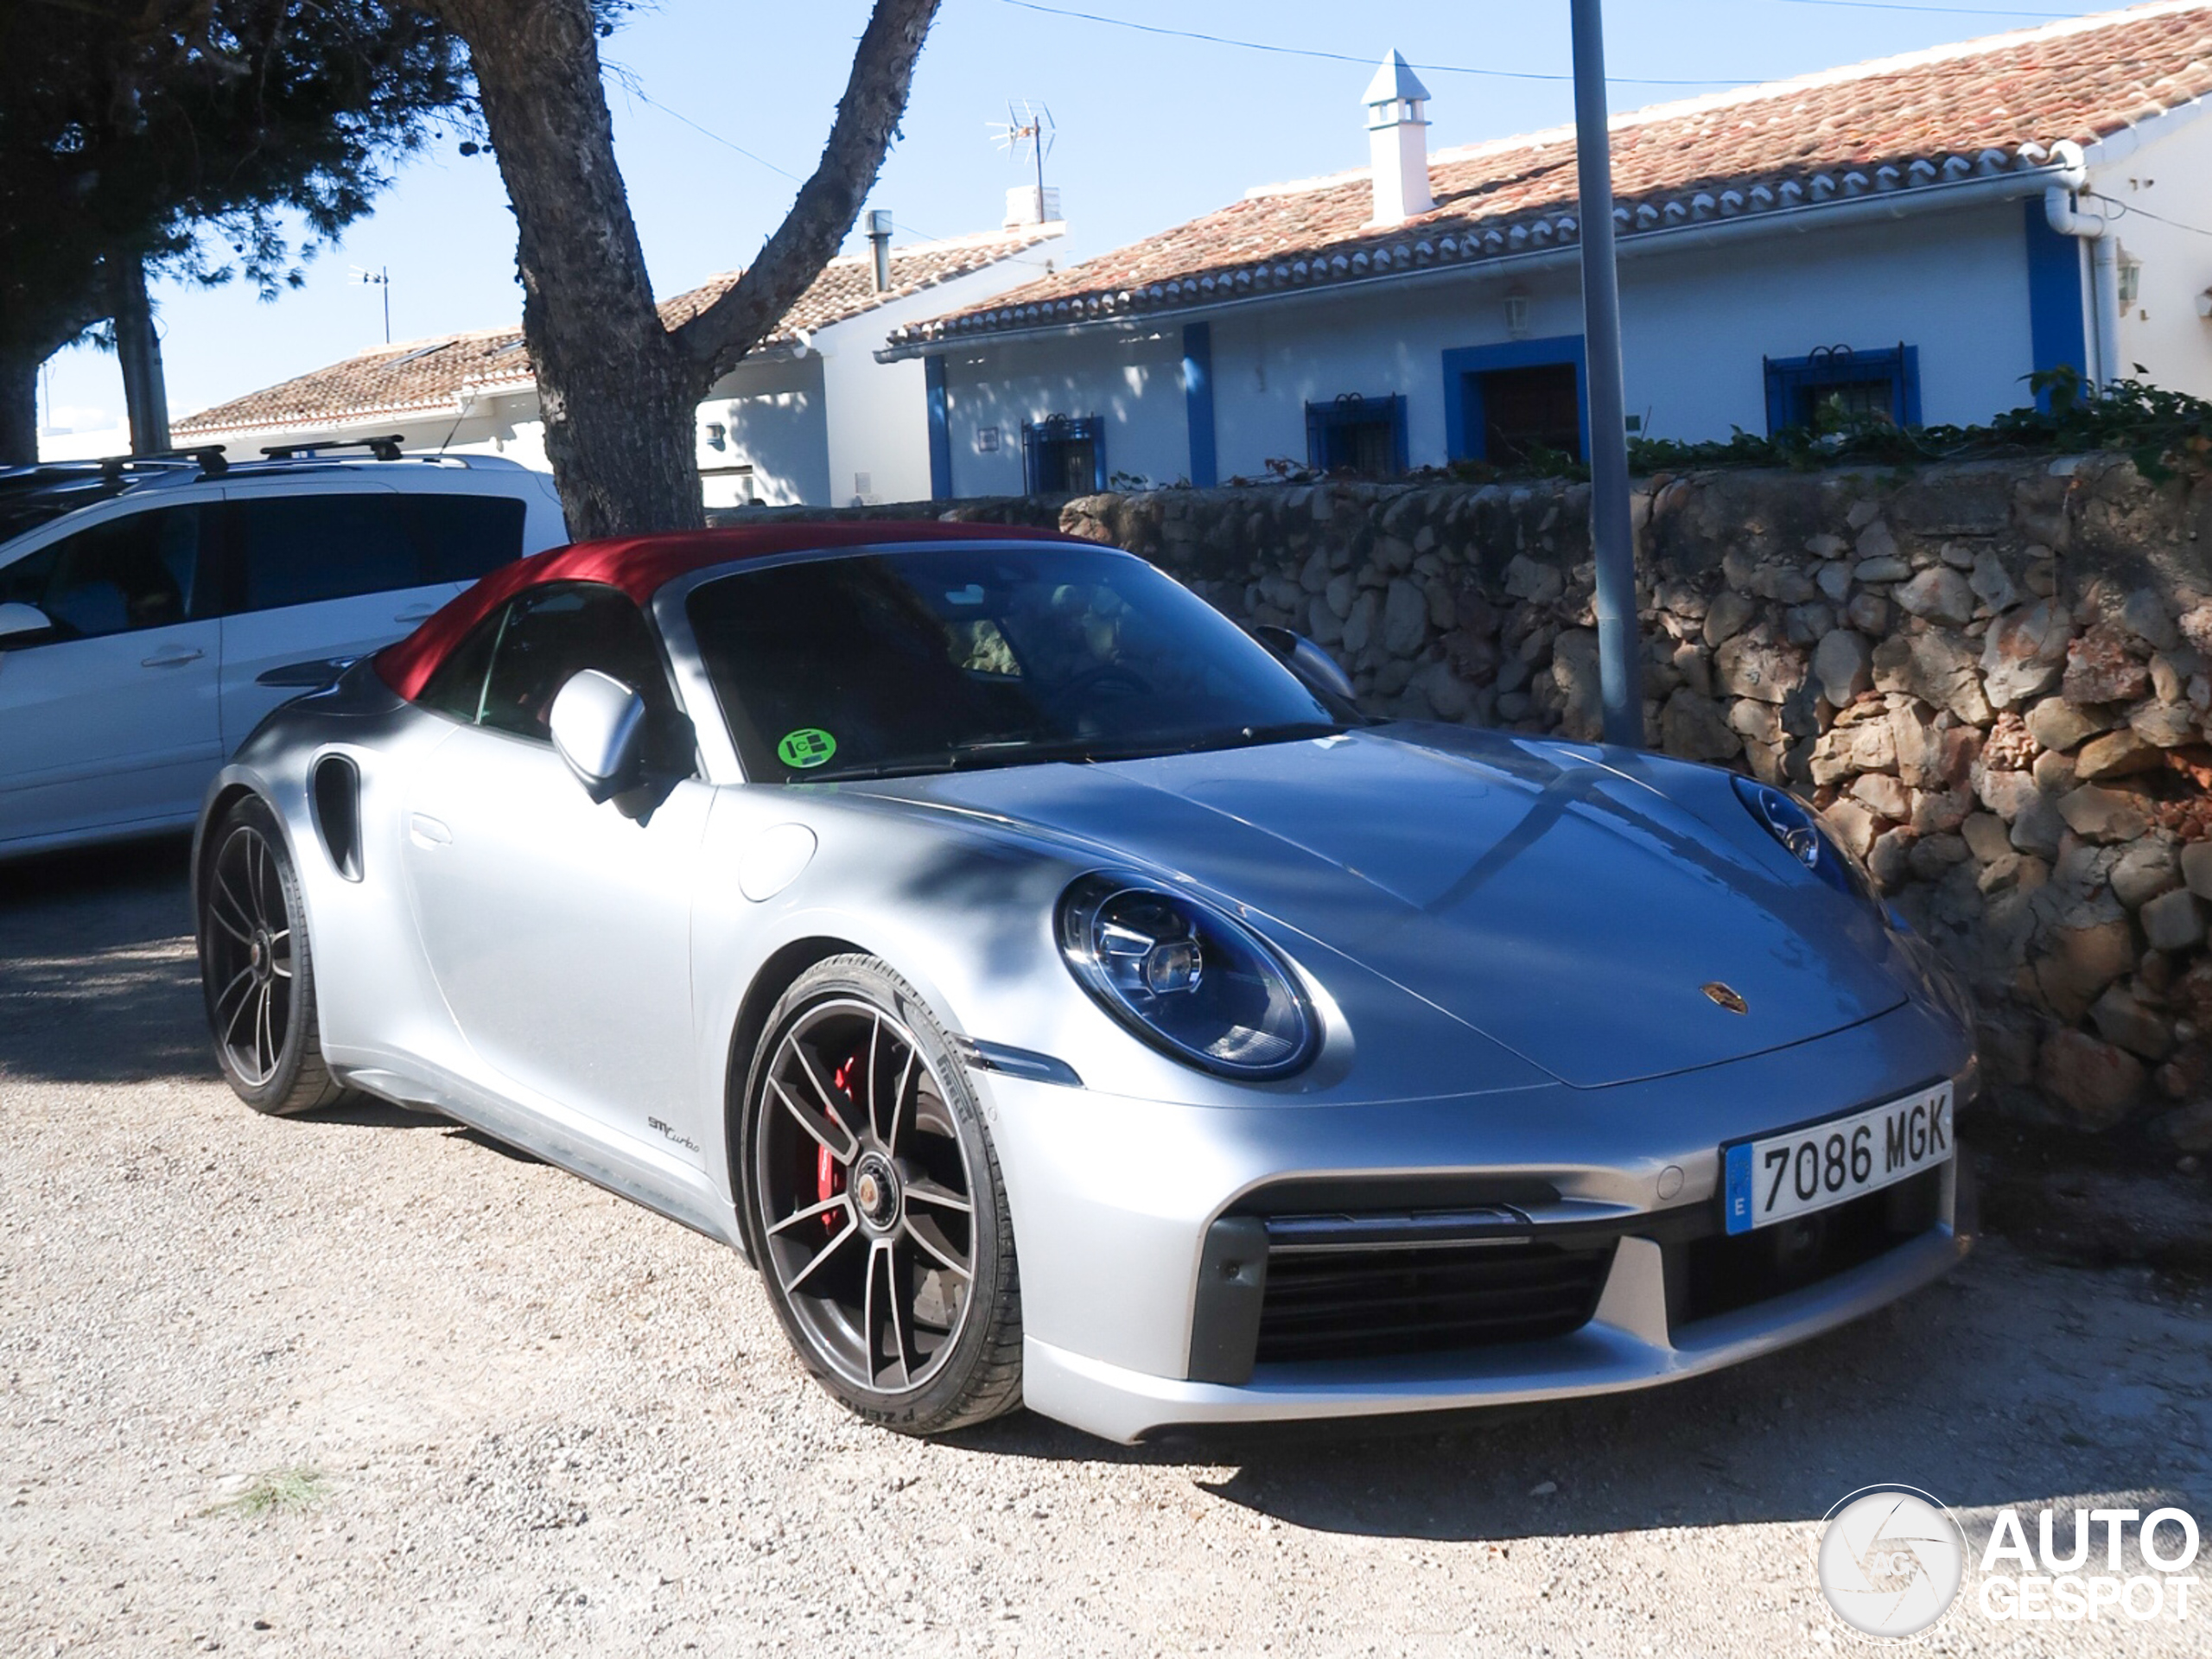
[
  {"x": 1031, "y": 125},
  {"x": 380, "y": 277}
]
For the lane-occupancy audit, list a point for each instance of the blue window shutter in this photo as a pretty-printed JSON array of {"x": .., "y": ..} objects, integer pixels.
[
  {"x": 1029, "y": 458},
  {"x": 1317, "y": 442},
  {"x": 1096, "y": 429},
  {"x": 1909, "y": 384},
  {"x": 1198, "y": 401},
  {"x": 1398, "y": 431},
  {"x": 2057, "y": 335},
  {"x": 1463, "y": 411},
  {"x": 940, "y": 421},
  {"x": 1777, "y": 395}
]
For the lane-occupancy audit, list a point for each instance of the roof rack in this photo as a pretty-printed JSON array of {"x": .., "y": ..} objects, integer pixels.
[
  {"x": 208, "y": 457},
  {"x": 382, "y": 448}
]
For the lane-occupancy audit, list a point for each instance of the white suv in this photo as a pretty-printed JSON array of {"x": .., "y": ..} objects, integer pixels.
[{"x": 152, "y": 611}]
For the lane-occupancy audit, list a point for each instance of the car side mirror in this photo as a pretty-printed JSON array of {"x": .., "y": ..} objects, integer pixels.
[
  {"x": 599, "y": 727},
  {"x": 18, "y": 619},
  {"x": 1321, "y": 672}
]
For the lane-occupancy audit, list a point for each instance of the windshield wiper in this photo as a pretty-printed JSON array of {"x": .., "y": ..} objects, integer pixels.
[{"x": 992, "y": 752}]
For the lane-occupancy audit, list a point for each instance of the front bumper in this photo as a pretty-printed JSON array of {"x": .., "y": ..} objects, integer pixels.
[
  {"x": 1114, "y": 1200},
  {"x": 1625, "y": 1345}
]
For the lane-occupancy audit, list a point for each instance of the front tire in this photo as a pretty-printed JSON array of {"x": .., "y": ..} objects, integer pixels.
[
  {"x": 874, "y": 1205},
  {"x": 257, "y": 974}
]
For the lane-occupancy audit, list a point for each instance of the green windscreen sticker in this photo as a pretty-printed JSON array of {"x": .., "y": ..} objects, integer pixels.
[{"x": 809, "y": 746}]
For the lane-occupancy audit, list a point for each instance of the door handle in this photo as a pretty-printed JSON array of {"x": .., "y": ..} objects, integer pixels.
[
  {"x": 417, "y": 614},
  {"x": 176, "y": 657},
  {"x": 427, "y": 832}
]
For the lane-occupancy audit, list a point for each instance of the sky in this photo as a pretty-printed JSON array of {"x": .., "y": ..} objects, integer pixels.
[{"x": 720, "y": 106}]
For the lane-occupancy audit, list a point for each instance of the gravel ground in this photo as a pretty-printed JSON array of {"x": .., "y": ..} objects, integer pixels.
[{"x": 367, "y": 1384}]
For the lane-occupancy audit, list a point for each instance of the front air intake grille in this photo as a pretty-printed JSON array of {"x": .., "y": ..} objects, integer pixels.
[
  {"x": 1720, "y": 1273},
  {"x": 1364, "y": 1303}
]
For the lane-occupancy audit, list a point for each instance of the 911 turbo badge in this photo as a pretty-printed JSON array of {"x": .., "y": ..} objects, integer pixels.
[{"x": 1064, "y": 997}]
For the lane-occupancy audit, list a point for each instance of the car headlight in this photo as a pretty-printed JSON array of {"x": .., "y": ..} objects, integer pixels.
[
  {"x": 1790, "y": 821},
  {"x": 1185, "y": 978}
]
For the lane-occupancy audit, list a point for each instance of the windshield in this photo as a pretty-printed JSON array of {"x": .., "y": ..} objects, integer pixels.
[{"x": 877, "y": 664}]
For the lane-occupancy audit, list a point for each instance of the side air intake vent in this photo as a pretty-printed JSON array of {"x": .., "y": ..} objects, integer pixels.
[{"x": 335, "y": 788}]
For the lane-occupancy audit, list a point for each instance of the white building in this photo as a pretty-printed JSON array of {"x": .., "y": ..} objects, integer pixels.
[
  {"x": 808, "y": 417},
  {"x": 1916, "y": 235}
]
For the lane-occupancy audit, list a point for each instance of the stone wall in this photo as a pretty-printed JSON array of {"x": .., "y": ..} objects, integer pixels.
[{"x": 1995, "y": 679}]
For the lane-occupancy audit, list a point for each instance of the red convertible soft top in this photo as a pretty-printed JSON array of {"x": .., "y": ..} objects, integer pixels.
[{"x": 640, "y": 565}]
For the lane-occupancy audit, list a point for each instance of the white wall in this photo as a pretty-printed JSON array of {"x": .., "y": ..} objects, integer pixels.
[
  {"x": 1270, "y": 363},
  {"x": 776, "y": 421},
  {"x": 1696, "y": 325},
  {"x": 2171, "y": 176},
  {"x": 879, "y": 412},
  {"x": 1132, "y": 383},
  {"x": 91, "y": 443}
]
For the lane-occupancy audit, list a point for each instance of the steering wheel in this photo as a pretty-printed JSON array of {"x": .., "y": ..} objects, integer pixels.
[{"x": 1131, "y": 683}]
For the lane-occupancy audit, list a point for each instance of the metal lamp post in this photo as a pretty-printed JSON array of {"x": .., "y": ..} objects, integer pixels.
[{"x": 1619, "y": 665}]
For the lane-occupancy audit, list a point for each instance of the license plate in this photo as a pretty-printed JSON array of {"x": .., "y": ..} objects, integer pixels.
[{"x": 1800, "y": 1171}]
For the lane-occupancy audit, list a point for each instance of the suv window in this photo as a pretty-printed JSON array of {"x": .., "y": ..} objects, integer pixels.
[
  {"x": 505, "y": 673},
  {"x": 464, "y": 537},
  {"x": 297, "y": 549},
  {"x": 139, "y": 571}
]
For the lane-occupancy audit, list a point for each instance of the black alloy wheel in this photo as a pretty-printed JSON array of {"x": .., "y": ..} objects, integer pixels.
[
  {"x": 876, "y": 1212},
  {"x": 255, "y": 969}
]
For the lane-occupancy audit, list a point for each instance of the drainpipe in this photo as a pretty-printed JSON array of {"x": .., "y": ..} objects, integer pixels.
[{"x": 2060, "y": 208}]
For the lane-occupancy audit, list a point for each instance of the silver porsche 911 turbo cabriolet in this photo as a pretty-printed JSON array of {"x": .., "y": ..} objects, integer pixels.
[{"x": 1063, "y": 996}]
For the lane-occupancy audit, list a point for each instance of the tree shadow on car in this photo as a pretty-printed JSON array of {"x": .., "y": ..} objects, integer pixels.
[{"x": 1913, "y": 1395}]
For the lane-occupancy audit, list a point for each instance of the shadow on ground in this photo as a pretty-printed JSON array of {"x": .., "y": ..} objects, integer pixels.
[
  {"x": 99, "y": 981},
  {"x": 1912, "y": 1395}
]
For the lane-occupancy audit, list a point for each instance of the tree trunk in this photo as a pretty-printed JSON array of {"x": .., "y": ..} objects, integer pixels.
[
  {"x": 138, "y": 350},
  {"x": 616, "y": 397},
  {"x": 618, "y": 392},
  {"x": 18, "y": 407}
]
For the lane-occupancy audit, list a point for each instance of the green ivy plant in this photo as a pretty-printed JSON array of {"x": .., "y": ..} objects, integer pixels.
[{"x": 2163, "y": 432}]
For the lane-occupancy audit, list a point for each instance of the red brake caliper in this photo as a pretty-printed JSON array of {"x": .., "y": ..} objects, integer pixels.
[{"x": 829, "y": 1179}]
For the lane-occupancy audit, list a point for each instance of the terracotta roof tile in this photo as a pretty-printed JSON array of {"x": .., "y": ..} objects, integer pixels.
[
  {"x": 1983, "y": 108},
  {"x": 429, "y": 374}
]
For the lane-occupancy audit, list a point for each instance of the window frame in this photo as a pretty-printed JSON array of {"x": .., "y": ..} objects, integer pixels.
[
  {"x": 670, "y": 708},
  {"x": 1062, "y": 428},
  {"x": 1354, "y": 409},
  {"x": 1466, "y": 432},
  {"x": 209, "y": 600},
  {"x": 1835, "y": 366}
]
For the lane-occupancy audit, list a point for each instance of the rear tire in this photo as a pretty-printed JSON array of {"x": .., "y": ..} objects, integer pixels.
[
  {"x": 873, "y": 1206},
  {"x": 257, "y": 974}
]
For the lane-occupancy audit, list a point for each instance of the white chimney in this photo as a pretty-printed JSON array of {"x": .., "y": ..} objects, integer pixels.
[
  {"x": 1397, "y": 142},
  {"x": 1030, "y": 204}
]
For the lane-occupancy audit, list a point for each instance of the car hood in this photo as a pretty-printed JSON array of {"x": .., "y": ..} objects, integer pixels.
[{"x": 1569, "y": 911}]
